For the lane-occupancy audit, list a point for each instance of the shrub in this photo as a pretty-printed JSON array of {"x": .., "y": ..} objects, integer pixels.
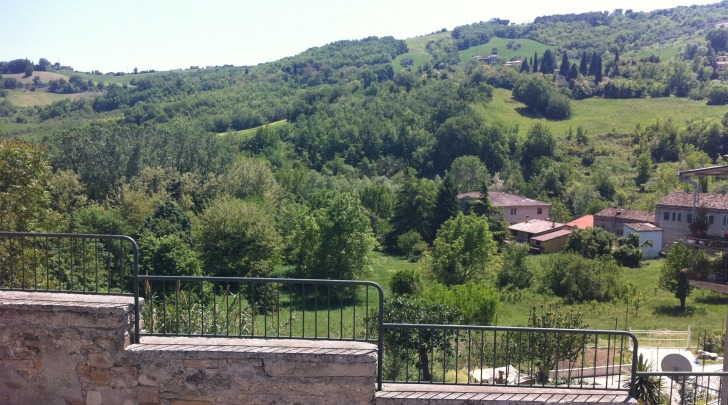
[{"x": 577, "y": 279}]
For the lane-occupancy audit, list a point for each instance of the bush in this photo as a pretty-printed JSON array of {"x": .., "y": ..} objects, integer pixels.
[
  {"x": 411, "y": 245},
  {"x": 718, "y": 95},
  {"x": 476, "y": 302},
  {"x": 405, "y": 282},
  {"x": 577, "y": 279}
]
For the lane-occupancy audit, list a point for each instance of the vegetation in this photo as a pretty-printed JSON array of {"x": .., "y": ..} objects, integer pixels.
[{"x": 329, "y": 163}]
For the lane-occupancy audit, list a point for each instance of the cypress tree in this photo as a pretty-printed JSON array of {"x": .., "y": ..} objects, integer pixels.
[
  {"x": 574, "y": 72},
  {"x": 565, "y": 66},
  {"x": 446, "y": 205},
  {"x": 535, "y": 62},
  {"x": 525, "y": 67},
  {"x": 583, "y": 65}
]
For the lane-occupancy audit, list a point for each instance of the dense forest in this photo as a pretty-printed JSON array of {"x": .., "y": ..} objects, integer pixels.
[{"x": 307, "y": 165}]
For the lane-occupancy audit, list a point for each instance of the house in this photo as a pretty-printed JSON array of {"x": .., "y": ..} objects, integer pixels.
[
  {"x": 550, "y": 242},
  {"x": 721, "y": 63},
  {"x": 490, "y": 59},
  {"x": 614, "y": 219},
  {"x": 674, "y": 213},
  {"x": 524, "y": 231},
  {"x": 514, "y": 208},
  {"x": 585, "y": 222},
  {"x": 647, "y": 232},
  {"x": 513, "y": 63}
]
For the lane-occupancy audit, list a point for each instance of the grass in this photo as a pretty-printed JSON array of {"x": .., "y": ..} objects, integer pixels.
[
  {"x": 21, "y": 98},
  {"x": 527, "y": 49},
  {"x": 247, "y": 133},
  {"x": 417, "y": 50},
  {"x": 600, "y": 116}
]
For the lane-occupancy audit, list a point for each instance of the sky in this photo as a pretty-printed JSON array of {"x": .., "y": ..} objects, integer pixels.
[{"x": 120, "y": 35}]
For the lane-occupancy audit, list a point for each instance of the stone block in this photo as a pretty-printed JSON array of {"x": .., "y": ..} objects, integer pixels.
[
  {"x": 16, "y": 363},
  {"x": 94, "y": 398},
  {"x": 100, "y": 377},
  {"x": 188, "y": 402},
  {"x": 100, "y": 360},
  {"x": 147, "y": 394}
]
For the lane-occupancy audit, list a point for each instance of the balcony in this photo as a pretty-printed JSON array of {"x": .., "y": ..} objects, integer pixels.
[{"x": 713, "y": 275}]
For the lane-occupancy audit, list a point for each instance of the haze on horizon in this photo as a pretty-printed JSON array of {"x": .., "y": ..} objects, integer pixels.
[{"x": 114, "y": 36}]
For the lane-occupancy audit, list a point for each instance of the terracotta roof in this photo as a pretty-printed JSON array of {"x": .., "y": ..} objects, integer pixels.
[
  {"x": 499, "y": 199},
  {"x": 643, "y": 227},
  {"x": 552, "y": 235},
  {"x": 685, "y": 200},
  {"x": 536, "y": 226},
  {"x": 634, "y": 215},
  {"x": 585, "y": 222}
]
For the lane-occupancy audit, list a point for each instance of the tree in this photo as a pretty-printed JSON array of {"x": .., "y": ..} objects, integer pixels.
[
  {"x": 468, "y": 172},
  {"x": 477, "y": 302},
  {"x": 674, "y": 273},
  {"x": 462, "y": 250},
  {"x": 535, "y": 62},
  {"x": 644, "y": 167},
  {"x": 539, "y": 143},
  {"x": 548, "y": 349},
  {"x": 446, "y": 204},
  {"x": 577, "y": 279},
  {"x": 524, "y": 67},
  {"x": 28, "y": 71},
  {"x": 515, "y": 270},
  {"x": 565, "y": 66},
  {"x": 681, "y": 78},
  {"x": 583, "y": 65},
  {"x": 43, "y": 64},
  {"x": 548, "y": 62},
  {"x": 629, "y": 252},
  {"x": 334, "y": 240},
  {"x": 413, "y": 206},
  {"x": 590, "y": 243},
  {"x": 403, "y": 343},
  {"x": 405, "y": 282},
  {"x": 25, "y": 183},
  {"x": 237, "y": 238}
]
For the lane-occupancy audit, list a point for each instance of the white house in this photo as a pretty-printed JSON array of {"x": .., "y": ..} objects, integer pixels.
[
  {"x": 646, "y": 231},
  {"x": 514, "y": 208}
]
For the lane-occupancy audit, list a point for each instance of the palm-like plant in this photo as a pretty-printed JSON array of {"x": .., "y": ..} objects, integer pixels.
[{"x": 647, "y": 389}]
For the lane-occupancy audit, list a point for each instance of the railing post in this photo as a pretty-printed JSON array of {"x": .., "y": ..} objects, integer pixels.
[
  {"x": 633, "y": 376},
  {"x": 689, "y": 337},
  {"x": 137, "y": 307}
]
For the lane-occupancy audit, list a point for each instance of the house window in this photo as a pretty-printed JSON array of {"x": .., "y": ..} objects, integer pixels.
[
  {"x": 725, "y": 220},
  {"x": 666, "y": 216},
  {"x": 690, "y": 218},
  {"x": 679, "y": 216},
  {"x": 673, "y": 216},
  {"x": 539, "y": 211},
  {"x": 513, "y": 211},
  {"x": 710, "y": 219}
]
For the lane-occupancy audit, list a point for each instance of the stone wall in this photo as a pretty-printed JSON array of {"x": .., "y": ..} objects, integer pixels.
[{"x": 76, "y": 349}]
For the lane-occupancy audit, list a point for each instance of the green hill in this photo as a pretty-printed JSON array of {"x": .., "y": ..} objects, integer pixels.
[{"x": 520, "y": 48}]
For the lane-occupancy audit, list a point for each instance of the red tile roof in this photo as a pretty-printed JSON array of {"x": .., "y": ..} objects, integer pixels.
[
  {"x": 585, "y": 222},
  {"x": 634, "y": 215},
  {"x": 685, "y": 200}
]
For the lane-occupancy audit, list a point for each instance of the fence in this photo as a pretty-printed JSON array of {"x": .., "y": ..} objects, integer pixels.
[
  {"x": 678, "y": 339},
  {"x": 91, "y": 264},
  {"x": 493, "y": 355},
  {"x": 680, "y": 387}
]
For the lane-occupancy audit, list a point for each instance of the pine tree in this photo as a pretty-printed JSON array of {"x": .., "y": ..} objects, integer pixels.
[{"x": 446, "y": 205}]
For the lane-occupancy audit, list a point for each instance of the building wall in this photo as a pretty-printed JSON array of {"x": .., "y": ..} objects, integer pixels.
[
  {"x": 614, "y": 224},
  {"x": 516, "y": 215},
  {"x": 651, "y": 252},
  {"x": 552, "y": 245},
  {"x": 675, "y": 223}
]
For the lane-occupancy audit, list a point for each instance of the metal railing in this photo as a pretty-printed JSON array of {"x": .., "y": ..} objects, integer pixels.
[
  {"x": 682, "y": 388},
  {"x": 514, "y": 356},
  {"x": 58, "y": 262}
]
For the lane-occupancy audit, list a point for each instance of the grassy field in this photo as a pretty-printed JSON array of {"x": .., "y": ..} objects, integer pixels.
[
  {"x": 647, "y": 307},
  {"x": 526, "y": 50},
  {"x": 23, "y": 98},
  {"x": 600, "y": 116},
  {"x": 417, "y": 50}
]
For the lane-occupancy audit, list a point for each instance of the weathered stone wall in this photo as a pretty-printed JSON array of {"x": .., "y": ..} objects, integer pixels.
[{"x": 76, "y": 349}]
